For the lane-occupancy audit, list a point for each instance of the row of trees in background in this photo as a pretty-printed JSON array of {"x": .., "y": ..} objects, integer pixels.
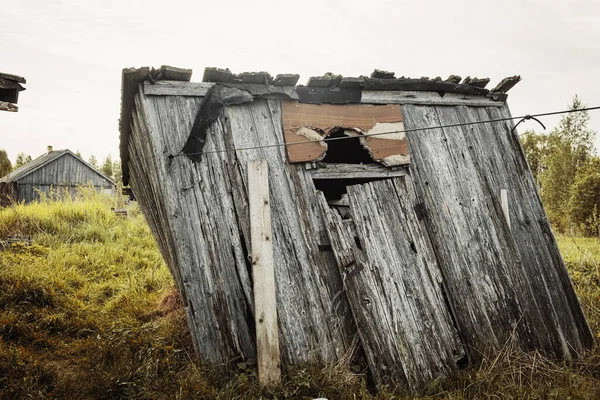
[
  {"x": 567, "y": 172},
  {"x": 6, "y": 166},
  {"x": 110, "y": 168}
]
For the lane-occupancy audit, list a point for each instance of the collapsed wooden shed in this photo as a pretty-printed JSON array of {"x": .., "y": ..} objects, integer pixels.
[
  {"x": 52, "y": 172},
  {"x": 393, "y": 230}
]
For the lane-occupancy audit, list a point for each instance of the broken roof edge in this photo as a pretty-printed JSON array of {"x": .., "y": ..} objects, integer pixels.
[
  {"x": 130, "y": 80},
  {"x": 380, "y": 88},
  {"x": 12, "y": 77}
]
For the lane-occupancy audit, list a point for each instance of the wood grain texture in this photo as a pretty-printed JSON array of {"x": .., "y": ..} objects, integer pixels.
[
  {"x": 263, "y": 274},
  {"x": 199, "y": 89},
  {"x": 314, "y": 320},
  {"x": 199, "y": 212},
  {"x": 322, "y": 119},
  {"x": 202, "y": 242},
  {"x": 501, "y": 286},
  {"x": 426, "y": 98},
  {"x": 354, "y": 171},
  {"x": 394, "y": 285}
]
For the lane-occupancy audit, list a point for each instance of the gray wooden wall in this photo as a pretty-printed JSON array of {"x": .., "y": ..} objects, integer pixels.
[
  {"x": 66, "y": 171},
  {"x": 453, "y": 279}
]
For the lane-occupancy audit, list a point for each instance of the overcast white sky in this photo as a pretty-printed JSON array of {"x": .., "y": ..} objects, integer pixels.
[{"x": 72, "y": 52}]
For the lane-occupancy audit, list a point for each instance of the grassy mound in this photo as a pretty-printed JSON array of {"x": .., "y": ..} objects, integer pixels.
[{"x": 88, "y": 311}]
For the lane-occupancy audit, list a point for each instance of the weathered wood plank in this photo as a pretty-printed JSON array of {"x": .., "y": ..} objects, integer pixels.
[
  {"x": 12, "y": 77},
  {"x": 394, "y": 285},
  {"x": 263, "y": 275},
  {"x": 5, "y": 106},
  {"x": 426, "y": 98},
  {"x": 130, "y": 83},
  {"x": 314, "y": 320},
  {"x": 475, "y": 255},
  {"x": 498, "y": 281},
  {"x": 328, "y": 95},
  {"x": 199, "y": 89},
  {"x": 355, "y": 171},
  {"x": 286, "y": 80},
  {"x": 506, "y": 84},
  {"x": 176, "y": 88},
  {"x": 199, "y": 214},
  {"x": 565, "y": 333},
  {"x": 421, "y": 85}
]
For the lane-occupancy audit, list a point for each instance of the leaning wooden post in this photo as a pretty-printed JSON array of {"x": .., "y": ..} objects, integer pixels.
[{"x": 263, "y": 274}]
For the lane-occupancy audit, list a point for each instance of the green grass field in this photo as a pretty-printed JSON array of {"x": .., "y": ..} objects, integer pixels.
[{"x": 88, "y": 311}]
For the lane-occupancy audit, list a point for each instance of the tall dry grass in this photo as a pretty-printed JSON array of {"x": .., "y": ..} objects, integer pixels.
[{"x": 88, "y": 311}]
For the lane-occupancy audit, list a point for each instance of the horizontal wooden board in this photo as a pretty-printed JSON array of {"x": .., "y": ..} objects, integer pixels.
[
  {"x": 175, "y": 88},
  {"x": 304, "y": 122},
  {"x": 355, "y": 171},
  {"x": 199, "y": 89},
  {"x": 426, "y": 98}
]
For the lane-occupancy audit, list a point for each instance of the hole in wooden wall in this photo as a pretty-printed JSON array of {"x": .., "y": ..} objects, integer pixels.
[
  {"x": 334, "y": 189},
  {"x": 346, "y": 151}
]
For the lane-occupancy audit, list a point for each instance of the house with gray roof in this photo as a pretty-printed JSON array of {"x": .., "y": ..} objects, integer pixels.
[{"x": 57, "y": 169}]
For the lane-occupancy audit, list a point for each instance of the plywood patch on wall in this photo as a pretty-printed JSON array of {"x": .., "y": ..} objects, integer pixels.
[{"x": 311, "y": 122}]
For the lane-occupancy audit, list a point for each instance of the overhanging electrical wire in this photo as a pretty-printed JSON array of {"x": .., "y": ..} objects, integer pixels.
[{"x": 522, "y": 118}]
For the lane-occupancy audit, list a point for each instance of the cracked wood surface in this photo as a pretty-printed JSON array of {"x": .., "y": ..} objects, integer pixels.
[
  {"x": 502, "y": 284},
  {"x": 393, "y": 285},
  {"x": 199, "y": 214}
]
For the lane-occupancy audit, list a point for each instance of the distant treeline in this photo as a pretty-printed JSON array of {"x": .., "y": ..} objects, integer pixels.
[{"x": 567, "y": 172}]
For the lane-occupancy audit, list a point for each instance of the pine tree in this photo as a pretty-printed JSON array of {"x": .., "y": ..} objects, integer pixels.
[
  {"x": 535, "y": 147},
  {"x": 93, "y": 162},
  {"x": 117, "y": 172},
  {"x": 5, "y": 164},
  {"x": 107, "y": 167},
  {"x": 22, "y": 159}
]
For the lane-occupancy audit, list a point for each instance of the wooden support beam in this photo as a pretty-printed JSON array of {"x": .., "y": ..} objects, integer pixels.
[
  {"x": 504, "y": 203},
  {"x": 263, "y": 274}
]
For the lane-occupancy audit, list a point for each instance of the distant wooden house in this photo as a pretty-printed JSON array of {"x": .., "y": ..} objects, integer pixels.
[
  {"x": 54, "y": 171},
  {"x": 10, "y": 86},
  {"x": 403, "y": 216}
]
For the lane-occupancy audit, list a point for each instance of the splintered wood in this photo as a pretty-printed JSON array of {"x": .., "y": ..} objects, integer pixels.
[
  {"x": 314, "y": 122},
  {"x": 394, "y": 285}
]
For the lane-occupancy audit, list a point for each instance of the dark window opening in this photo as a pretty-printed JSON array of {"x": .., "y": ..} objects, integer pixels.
[
  {"x": 334, "y": 189},
  {"x": 346, "y": 151}
]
